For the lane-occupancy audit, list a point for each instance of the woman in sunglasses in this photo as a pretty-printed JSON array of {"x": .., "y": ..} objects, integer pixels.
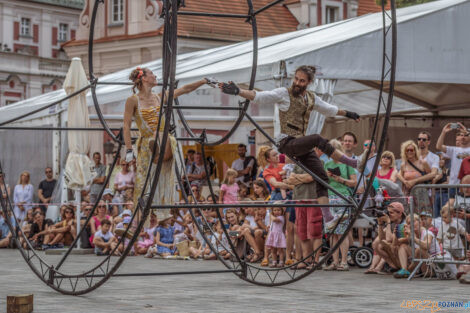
[
  {"x": 387, "y": 168},
  {"x": 413, "y": 170},
  {"x": 95, "y": 222},
  {"x": 65, "y": 231}
]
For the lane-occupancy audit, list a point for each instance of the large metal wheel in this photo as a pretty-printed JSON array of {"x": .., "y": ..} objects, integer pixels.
[{"x": 81, "y": 283}]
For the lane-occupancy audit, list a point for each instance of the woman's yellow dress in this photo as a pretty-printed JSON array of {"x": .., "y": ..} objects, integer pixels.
[{"x": 147, "y": 122}]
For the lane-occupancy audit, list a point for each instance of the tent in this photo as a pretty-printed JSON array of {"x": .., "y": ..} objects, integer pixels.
[{"x": 433, "y": 74}]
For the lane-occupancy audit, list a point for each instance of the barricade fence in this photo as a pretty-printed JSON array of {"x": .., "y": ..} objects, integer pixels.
[{"x": 439, "y": 227}]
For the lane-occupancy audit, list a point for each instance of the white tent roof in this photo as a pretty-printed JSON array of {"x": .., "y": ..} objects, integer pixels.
[{"x": 346, "y": 50}]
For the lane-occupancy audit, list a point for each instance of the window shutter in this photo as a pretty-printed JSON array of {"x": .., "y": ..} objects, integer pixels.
[
  {"x": 72, "y": 34},
  {"x": 35, "y": 33},
  {"x": 16, "y": 30},
  {"x": 54, "y": 36}
]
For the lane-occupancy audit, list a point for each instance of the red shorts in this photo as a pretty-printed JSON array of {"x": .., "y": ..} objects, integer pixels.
[{"x": 308, "y": 222}]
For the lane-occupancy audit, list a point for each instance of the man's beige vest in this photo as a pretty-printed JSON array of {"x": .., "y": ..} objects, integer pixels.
[{"x": 294, "y": 121}]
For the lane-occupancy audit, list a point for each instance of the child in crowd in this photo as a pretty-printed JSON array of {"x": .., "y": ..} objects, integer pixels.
[
  {"x": 450, "y": 231},
  {"x": 147, "y": 235},
  {"x": 276, "y": 240},
  {"x": 287, "y": 169},
  {"x": 229, "y": 189},
  {"x": 164, "y": 237},
  {"x": 428, "y": 222},
  {"x": 260, "y": 190},
  {"x": 104, "y": 240}
]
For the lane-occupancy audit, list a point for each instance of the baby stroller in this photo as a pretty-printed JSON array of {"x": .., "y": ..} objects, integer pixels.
[{"x": 386, "y": 193}]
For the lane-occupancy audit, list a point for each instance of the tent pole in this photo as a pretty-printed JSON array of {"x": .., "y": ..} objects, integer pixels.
[{"x": 78, "y": 198}]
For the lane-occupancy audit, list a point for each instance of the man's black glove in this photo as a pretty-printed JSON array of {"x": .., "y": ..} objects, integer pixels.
[
  {"x": 230, "y": 88},
  {"x": 352, "y": 115}
]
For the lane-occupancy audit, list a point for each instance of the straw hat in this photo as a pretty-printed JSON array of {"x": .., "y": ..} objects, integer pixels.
[{"x": 163, "y": 214}]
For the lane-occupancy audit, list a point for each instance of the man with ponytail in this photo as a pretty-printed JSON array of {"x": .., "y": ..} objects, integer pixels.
[{"x": 295, "y": 104}]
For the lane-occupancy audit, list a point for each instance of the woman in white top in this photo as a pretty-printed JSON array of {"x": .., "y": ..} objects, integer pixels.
[{"x": 23, "y": 196}]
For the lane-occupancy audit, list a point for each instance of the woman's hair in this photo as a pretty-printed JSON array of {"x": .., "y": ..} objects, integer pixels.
[
  {"x": 23, "y": 173},
  {"x": 230, "y": 172},
  {"x": 68, "y": 207},
  {"x": 336, "y": 144},
  {"x": 403, "y": 148},
  {"x": 392, "y": 158},
  {"x": 415, "y": 217},
  {"x": 260, "y": 183},
  {"x": 263, "y": 155},
  {"x": 308, "y": 70},
  {"x": 136, "y": 77}
]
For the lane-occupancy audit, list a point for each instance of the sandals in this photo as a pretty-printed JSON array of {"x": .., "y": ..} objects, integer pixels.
[
  {"x": 343, "y": 267},
  {"x": 371, "y": 271},
  {"x": 273, "y": 264},
  {"x": 289, "y": 262},
  {"x": 280, "y": 264},
  {"x": 331, "y": 267},
  {"x": 256, "y": 257},
  {"x": 265, "y": 262}
]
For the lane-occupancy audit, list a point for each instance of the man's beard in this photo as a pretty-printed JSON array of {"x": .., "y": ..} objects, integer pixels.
[{"x": 298, "y": 90}]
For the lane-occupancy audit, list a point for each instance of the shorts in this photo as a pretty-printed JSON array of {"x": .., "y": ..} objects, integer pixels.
[{"x": 309, "y": 222}]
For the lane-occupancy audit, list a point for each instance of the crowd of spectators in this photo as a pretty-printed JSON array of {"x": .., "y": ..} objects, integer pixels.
[{"x": 283, "y": 235}]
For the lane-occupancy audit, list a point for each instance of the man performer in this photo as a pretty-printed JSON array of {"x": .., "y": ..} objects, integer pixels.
[{"x": 295, "y": 105}]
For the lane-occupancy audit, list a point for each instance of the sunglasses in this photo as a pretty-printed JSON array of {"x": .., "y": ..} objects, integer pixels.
[
  {"x": 101, "y": 206},
  {"x": 410, "y": 150},
  {"x": 68, "y": 212},
  {"x": 48, "y": 172},
  {"x": 206, "y": 209},
  {"x": 387, "y": 157},
  {"x": 422, "y": 139}
]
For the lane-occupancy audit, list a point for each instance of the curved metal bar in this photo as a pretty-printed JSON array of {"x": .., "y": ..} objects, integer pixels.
[
  {"x": 62, "y": 260},
  {"x": 219, "y": 216}
]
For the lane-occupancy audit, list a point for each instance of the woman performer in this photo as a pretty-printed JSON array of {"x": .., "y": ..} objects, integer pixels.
[{"x": 145, "y": 108}]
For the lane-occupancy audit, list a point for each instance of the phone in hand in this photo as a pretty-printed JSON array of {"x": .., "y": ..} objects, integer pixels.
[
  {"x": 335, "y": 171},
  {"x": 454, "y": 126},
  {"x": 234, "y": 233}
]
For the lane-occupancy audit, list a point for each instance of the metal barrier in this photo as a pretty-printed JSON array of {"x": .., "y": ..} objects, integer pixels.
[{"x": 450, "y": 229}]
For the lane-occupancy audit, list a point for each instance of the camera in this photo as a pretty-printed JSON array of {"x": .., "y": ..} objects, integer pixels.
[
  {"x": 234, "y": 233},
  {"x": 379, "y": 212},
  {"x": 454, "y": 126}
]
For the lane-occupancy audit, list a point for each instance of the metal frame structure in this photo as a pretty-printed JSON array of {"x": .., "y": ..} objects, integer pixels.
[{"x": 82, "y": 283}]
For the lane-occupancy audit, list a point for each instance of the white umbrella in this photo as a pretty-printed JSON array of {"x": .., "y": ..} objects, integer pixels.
[{"x": 78, "y": 169}]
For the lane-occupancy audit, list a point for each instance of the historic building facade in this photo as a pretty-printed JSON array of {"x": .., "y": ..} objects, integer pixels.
[{"x": 31, "y": 34}]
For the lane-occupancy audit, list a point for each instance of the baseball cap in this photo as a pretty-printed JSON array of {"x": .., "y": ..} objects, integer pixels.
[{"x": 107, "y": 191}]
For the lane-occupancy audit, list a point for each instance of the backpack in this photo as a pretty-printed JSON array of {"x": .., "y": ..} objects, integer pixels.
[{"x": 252, "y": 175}]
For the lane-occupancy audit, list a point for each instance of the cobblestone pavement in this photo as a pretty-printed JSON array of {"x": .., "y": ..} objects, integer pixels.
[{"x": 320, "y": 292}]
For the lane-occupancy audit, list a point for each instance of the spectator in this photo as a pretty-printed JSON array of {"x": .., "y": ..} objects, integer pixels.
[
  {"x": 272, "y": 174},
  {"x": 464, "y": 168},
  {"x": 117, "y": 169},
  {"x": 413, "y": 170},
  {"x": 341, "y": 177},
  {"x": 104, "y": 240},
  {"x": 4, "y": 188},
  {"x": 95, "y": 221},
  {"x": 253, "y": 234},
  {"x": 197, "y": 173},
  {"x": 244, "y": 165},
  {"x": 100, "y": 178},
  {"x": 189, "y": 160},
  {"x": 64, "y": 232},
  {"x": 308, "y": 220},
  {"x": 450, "y": 232},
  {"x": 229, "y": 189},
  {"x": 390, "y": 224},
  {"x": 38, "y": 234},
  {"x": 425, "y": 243},
  {"x": 123, "y": 181},
  {"x": 5, "y": 234},
  {"x": 387, "y": 168},
  {"x": 113, "y": 204},
  {"x": 455, "y": 153},
  {"x": 424, "y": 140},
  {"x": 198, "y": 198},
  {"x": 260, "y": 190},
  {"x": 164, "y": 237},
  {"x": 368, "y": 145},
  {"x": 462, "y": 203},
  {"x": 46, "y": 187},
  {"x": 86, "y": 234},
  {"x": 23, "y": 196},
  {"x": 442, "y": 195},
  {"x": 349, "y": 143},
  {"x": 276, "y": 240},
  {"x": 25, "y": 228},
  {"x": 148, "y": 235}
]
